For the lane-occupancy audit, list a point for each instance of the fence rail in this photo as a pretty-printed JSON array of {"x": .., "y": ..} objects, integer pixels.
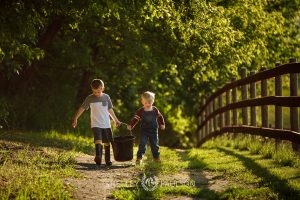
[{"x": 214, "y": 118}]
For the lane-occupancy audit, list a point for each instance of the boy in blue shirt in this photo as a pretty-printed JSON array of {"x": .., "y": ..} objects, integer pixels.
[{"x": 150, "y": 117}]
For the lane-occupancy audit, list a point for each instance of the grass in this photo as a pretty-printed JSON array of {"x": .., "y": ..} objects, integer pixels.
[
  {"x": 252, "y": 169},
  {"x": 282, "y": 154},
  {"x": 33, "y": 165}
]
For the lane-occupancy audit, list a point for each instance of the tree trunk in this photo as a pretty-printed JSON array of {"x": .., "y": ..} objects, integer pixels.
[
  {"x": 3, "y": 81},
  {"x": 22, "y": 81},
  {"x": 84, "y": 87}
]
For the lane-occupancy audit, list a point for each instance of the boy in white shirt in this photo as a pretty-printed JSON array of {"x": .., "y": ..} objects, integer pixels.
[{"x": 101, "y": 111}]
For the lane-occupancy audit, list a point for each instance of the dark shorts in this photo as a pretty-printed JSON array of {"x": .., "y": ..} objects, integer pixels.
[{"x": 104, "y": 134}]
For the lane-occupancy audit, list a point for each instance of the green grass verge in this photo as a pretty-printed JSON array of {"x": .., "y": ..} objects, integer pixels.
[
  {"x": 253, "y": 169},
  {"x": 33, "y": 165}
]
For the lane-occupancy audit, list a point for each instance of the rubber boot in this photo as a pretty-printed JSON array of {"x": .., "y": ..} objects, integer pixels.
[
  {"x": 107, "y": 155},
  {"x": 98, "y": 156}
]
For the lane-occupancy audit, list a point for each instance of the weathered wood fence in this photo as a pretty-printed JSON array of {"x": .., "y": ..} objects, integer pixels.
[{"x": 219, "y": 115}]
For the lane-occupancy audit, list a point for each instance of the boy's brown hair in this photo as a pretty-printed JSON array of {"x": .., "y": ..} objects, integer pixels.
[{"x": 97, "y": 83}]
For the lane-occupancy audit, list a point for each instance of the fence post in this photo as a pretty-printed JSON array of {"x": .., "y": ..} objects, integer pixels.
[
  {"x": 211, "y": 120},
  {"x": 264, "y": 109},
  {"x": 278, "y": 109},
  {"x": 215, "y": 117},
  {"x": 294, "y": 110},
  {"x": 244, "y": 97},
  {"x": 207, "y": 123},
  {"x": 203, "y": 119},
  {"x": 199, "y": 135},
  {"x": 253, "y": 96},
  {"x": 221, "y": 117},
  {"x": 227, "y": 113},
  {"x": 200, "y": 119},
  {"x": 234, "y": 100}
]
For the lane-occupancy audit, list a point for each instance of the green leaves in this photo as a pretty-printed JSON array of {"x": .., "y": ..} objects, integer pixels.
[{"x": 180, "y": 50}]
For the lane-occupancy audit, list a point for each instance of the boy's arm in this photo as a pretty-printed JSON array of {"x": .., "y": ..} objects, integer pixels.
[
  {"x": 135, "y": 119},
  {"x": 76, "y": 116},
  {"x": 114, "y": 117},
  {"x": 160, "y": 119}
]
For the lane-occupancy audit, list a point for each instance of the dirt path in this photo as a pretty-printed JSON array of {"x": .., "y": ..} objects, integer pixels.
[{"x": 98, "y": 182}]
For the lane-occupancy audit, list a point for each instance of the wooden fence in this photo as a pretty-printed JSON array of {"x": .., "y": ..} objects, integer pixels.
[{"x": 219, "y": 113}]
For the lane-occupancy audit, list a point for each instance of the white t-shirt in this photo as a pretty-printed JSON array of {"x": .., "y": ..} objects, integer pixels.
[{"x": 99, "y": 110}]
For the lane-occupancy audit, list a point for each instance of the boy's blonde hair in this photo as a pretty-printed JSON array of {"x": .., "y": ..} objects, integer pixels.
[{"x": 148, "y": 96}]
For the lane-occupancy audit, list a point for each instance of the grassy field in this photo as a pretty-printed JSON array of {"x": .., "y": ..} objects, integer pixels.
[
  {"x": 33, "y": 165},
  {"x": 252, "y": 169}
]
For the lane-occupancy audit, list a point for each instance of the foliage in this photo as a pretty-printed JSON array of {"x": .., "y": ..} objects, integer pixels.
[{"x": 181, "y": 50}]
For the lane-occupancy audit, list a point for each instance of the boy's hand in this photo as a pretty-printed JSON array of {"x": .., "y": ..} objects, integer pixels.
[
  {"x": 162, "y": 127},
  {"x": 74, "y": 123},
  {"x": 118, "y": 123},
  {"x": 129, "y": 127}
]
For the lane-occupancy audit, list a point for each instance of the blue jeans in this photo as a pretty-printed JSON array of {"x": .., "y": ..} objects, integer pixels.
[{"x": 153, "y": 139}]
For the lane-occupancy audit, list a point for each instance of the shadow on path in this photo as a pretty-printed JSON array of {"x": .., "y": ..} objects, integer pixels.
[
  {"x": 43, "y": 139},
  {"x": 209, "y": 185},
  {"x": 93, "y": 166},
  {"x": 276, "y": 184}
]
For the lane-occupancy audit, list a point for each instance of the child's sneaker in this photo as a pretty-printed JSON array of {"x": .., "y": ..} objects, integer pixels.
[
  {"x": 157, "y": 160},
  {"x": 138, "y": 161}
]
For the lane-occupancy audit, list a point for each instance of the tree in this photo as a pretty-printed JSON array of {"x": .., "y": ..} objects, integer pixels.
[{"x": 181, "y": 50}]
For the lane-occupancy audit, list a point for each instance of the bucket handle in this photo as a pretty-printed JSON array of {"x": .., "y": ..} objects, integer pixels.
[{"x": 130, "y": 132}]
